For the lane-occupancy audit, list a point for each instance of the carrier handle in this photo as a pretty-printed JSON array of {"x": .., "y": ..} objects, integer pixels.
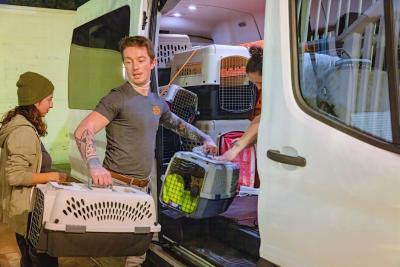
[
  {"x": 165, "y": 88},
  {"x": 91, "y": 185}
]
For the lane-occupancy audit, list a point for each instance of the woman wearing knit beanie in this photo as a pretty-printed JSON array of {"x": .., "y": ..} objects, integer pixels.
[{"x": 24, "y": 161}]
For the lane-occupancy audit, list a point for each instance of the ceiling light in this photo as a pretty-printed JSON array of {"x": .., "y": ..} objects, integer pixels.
[
  {"x": 192, "y": 7},
  {"x": 176, "y": 14}
]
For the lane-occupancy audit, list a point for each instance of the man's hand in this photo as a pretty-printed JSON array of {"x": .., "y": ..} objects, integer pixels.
[
  {"x": 209, "y": 147},
  {"x": 100, "y": 175}
]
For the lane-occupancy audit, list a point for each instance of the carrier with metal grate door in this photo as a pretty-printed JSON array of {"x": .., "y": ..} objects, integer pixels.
[
  {"x": 197, "y": 186},
  {"x": 217, "y": 74},
  {"x": 73, "y": 220},
  {"x": 184, "y": 104}
]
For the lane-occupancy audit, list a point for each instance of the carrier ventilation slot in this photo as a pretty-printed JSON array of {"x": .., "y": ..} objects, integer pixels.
[
  {"x": 189, "y": 144},
  {"x": 186, "y": 168},
  {"x": 107, "y": 210}
]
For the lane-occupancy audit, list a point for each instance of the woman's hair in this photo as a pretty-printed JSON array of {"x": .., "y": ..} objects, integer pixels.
[
  {"x": 31, "y": 113},
  {"x": 256, "y": 60}
]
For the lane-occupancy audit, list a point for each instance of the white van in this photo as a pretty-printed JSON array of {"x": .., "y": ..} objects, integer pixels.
[{"x": 329, "y": 140}]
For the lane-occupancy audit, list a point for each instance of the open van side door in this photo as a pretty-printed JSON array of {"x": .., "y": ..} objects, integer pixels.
[
  {"x": 329, "y": 173},
  {"x": 95, "y": 65}
]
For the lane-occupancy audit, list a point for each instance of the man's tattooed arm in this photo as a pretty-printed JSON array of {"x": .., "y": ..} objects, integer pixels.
[
  {"x": 86, "y": 142},
  {"x": 185, "y": 129},
  {"x": 87, "y": 147}
]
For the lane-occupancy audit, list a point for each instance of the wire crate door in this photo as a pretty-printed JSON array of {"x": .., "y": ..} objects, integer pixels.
[{"x": 236, "y": 93}]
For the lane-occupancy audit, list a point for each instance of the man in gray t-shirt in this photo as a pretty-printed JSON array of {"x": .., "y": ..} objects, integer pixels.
[
  {"x": 131, "y": 115},
  {"x": 131, "y": 133}
]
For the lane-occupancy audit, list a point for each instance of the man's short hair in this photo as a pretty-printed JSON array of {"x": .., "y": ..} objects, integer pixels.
[{"x": 139, "y": 41}]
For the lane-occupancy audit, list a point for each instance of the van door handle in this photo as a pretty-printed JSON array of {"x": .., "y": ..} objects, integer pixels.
[{"x": 276, "y": 155}]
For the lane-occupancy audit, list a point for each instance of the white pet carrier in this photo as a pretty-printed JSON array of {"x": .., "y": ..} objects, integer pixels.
[
  {"x": 168, "y": 45},
  {"x": 74, "y": 220},
  {"x": 217, "y": 74},
  {"x": 211, "y": 64},
  {"x": 197, "y": 186}
]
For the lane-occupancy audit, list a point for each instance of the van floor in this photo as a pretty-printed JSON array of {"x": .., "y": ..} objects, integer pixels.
[
  {"x": 220, "y": 254},
  {"x": 230, "y": 239}
]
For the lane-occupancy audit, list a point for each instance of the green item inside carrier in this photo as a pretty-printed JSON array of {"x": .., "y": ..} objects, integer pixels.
[{"x": 174, "y": 193}]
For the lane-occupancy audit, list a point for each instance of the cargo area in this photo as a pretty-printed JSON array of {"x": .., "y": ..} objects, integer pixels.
[{"x": 205, "y": 83}]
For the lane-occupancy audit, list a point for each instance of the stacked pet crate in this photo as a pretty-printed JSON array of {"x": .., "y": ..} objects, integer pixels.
[
  {"x": 168, "y": 45},
  {"x": 217, "y": 75}
]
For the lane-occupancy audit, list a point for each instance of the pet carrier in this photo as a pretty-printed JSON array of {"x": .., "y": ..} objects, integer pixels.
[
  {"x": 197, "y": 186},
  {"x": 184, "y": 104},
  {"x": 168, "y": 45},
  {"x": 74, "y": 220},
  {"x": 217, "y": 74}
]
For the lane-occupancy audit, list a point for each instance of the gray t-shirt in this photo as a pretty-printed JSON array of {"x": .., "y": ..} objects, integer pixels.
[{"x": 131, "y": 133}]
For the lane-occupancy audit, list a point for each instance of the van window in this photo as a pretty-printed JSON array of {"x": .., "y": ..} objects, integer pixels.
[
  {"x": 95, "y": 63},
  {"x": 342, "y": 65}
]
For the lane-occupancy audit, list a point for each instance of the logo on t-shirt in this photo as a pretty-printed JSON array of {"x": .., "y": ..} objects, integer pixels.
[{"x": 156, "y": 110}]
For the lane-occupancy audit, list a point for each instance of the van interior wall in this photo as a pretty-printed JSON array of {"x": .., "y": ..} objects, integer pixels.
[
  {"x": 38, "y": 40},
  {"x": 241, "y": 29}
]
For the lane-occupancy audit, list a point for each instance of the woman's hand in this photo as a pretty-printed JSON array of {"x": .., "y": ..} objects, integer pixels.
[
  {"x": 62, "y": 177},
  {"x": 229, "y": 155}
]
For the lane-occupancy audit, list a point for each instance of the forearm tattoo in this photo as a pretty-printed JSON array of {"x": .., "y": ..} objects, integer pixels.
[
  {"x": 87, "y": 147},
  {"x": 184, "y": 129}
]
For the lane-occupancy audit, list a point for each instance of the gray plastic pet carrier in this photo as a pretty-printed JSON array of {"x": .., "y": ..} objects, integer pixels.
[
  {"x": 197, "y": 186},
  {"x": 74, "y": 220}
]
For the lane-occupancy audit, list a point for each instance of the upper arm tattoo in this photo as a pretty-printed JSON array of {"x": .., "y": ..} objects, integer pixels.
[
  {"x": 184, "y": 129},
  {"x": 87, "y": 147}
]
